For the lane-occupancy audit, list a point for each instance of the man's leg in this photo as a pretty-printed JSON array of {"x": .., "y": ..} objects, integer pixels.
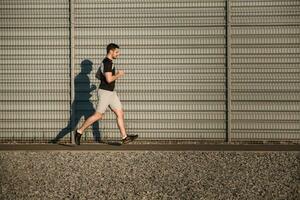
[
  {"x": 78, "y": 133},
  {"x": 95, "y": 117},
  {"x": 120, "y": 121},
  {"x": 116, "y": 107}
]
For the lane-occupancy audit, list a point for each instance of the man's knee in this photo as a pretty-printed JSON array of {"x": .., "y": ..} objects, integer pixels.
[
  {"x": 98, "y": 115},
  {"x": 119, "y": 113}
]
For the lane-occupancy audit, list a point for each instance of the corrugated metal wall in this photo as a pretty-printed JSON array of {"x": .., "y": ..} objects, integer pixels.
[
  {"x": 35, "y": 81},
  {"x": 173, "y": 54},
  {"x": 265, "y": 70}
]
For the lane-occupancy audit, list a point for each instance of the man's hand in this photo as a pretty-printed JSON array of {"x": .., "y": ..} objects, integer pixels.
[{"x": 120, "y": 73}]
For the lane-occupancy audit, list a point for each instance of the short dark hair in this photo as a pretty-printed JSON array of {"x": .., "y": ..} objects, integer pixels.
[{"x": 111, "y": 46}]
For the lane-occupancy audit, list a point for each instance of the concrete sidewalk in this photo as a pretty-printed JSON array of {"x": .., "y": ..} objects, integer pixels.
[{"x": 115, "y": 146}]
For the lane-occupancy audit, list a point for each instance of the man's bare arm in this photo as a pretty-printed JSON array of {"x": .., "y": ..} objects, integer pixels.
[{"x": 110, "y": 78}]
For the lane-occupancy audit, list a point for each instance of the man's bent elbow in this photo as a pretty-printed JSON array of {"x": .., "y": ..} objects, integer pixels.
[{"x": 109, "y": 80}]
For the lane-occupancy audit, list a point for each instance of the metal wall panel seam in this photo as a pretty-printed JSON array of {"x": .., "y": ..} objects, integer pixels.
[
  {"x": 72, "y": 64},
  {"x": 228, "y": 72}
]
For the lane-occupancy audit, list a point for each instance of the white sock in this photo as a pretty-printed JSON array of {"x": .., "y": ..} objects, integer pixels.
[
  {"x": 79, "y": 131},
  {"x": 124, "y": 137}
]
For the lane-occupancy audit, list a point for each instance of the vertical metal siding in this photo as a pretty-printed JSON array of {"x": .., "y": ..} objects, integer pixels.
[
  {"x": 34, "y": 71},
  {"x": 266, "y": 70},
  {"x": 173, "y": 54}
]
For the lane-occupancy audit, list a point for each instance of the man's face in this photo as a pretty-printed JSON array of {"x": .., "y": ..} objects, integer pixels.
[{"x": 115, "y": 53}]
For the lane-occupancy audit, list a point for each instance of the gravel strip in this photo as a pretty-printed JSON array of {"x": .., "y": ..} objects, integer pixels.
[{"x": 149, "y": 175}]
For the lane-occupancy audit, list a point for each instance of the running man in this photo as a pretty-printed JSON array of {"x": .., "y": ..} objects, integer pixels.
[{"x": 107, "y": 97}]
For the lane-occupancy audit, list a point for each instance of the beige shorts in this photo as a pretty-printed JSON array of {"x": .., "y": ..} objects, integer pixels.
[{"x": 108, "y": 98}]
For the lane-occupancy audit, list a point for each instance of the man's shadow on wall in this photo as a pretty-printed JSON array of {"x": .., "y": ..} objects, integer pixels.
[{"x": 81, "y": 106}]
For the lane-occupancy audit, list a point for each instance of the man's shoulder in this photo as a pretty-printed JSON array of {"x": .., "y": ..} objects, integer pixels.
[{"x": 106, "y": 61}]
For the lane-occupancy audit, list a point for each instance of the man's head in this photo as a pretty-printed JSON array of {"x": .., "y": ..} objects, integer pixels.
[{"x": 113, "y": 50}]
